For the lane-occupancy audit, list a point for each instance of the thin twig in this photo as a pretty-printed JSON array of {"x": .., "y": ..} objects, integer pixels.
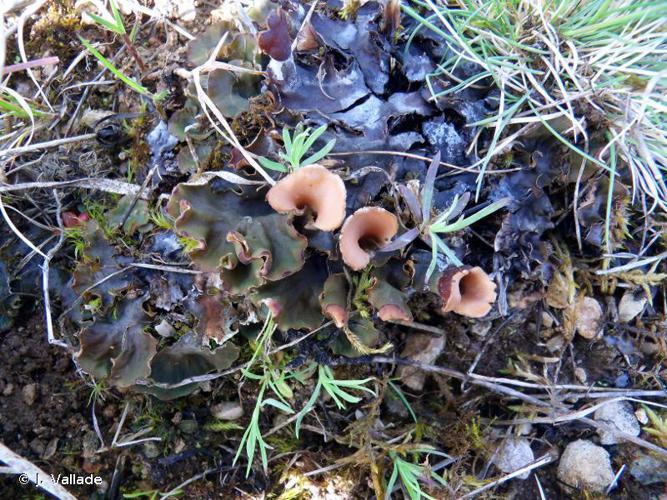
[
  {"x": 500, "y": 389},
  {"x": 420, "y": 157},
  {"x": 107, "y": 185},
  {"x": 96, "y": 426},
  {"x": 419, "y": 326},
  {"x": 46, "y": 266},
  {"x": 35, "y": 63},
  {"x": 169, "y": 269},
  {"x": 543, "y": 460},
  {"x": 177, "y": 490},
  {"x": 46, "y": 145},
  {"x": 135, "y": 198}
]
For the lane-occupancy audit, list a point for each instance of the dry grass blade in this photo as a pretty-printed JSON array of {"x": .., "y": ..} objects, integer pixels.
[
  {"x": 540, "y": 462},
  {"x": 600, "y": 55},
  {"x": 208, "y": 105},
  {"x": 29, "y": 472}
]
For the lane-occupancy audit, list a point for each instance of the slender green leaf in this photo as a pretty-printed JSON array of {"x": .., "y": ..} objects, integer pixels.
[
  {"x": 287, "y": 141},
  {"x": 314, "y": 135},
  {"x": 277, "y": 404},
  {"x": 107, "y": 24},
  {"x": 320, "y": 154},
  {"x": 117, "y": 17},
  {"x": 271, "y": 165},
  {"x": 109, "y": 65},
  {"x": 401, "y": 396},
  {"x": 467, "y": 221}
]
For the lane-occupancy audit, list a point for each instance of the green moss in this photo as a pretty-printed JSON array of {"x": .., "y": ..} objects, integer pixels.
[{"x": 56, "y": 27}]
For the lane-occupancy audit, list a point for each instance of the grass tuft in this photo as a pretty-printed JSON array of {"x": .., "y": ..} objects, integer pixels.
[{"x": 596, "y": 66}]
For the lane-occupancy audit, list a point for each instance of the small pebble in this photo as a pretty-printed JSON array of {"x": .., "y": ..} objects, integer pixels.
[
  {"x": 165, "y": 330},
  {"x": 588, "y": 315},
  {"x": 619, "y": 415},
  {"x": 227, "y": 410},
  {"x": 580, "y": 374},
  {"x": 648, "y": 469},
  {"x": 425, "y": 349},
  {"x": 30, "y": 394},
  {"x": 37, "y": 446},
  {"x": 50, "y": 449},
  {"x": 514, "y": 454},
  {"x": 585, "y": 465},
  {"x": 631, "y": 305},
  {"x": 641, "y": 416}
]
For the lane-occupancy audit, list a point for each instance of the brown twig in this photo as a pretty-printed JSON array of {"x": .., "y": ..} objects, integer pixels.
[
  {"x": 134, "y": 53},
  {"x": 449, "y": 372}
]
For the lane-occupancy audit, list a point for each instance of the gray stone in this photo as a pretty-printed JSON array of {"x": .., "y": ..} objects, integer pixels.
[
  {"x": 423, "y": 348},
  {"x": 188, "y": 426},
  {"x": 165, "y": 330},
  {"x": 514, "y": 454},
  {"x": 648, "y": 469},
  {"x": 631, "y": 305},
  {"x": 151, "y": 450},
  {"x": 585, "y": 465},
  {"x": 620, "y": 416},
  {"x": 227, "y": 410}
]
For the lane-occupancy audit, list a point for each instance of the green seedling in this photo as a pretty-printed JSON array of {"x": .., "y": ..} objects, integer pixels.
[
  {"x": 113, "y": 21},
  {"x": 337, "y": 389},
  {"x": 411, "y": 475},
  {"x": 97, "y": 391},
  {"x": 161, "y": 220},
  {"x": 270, "y": 379},
  {"x": 431, "y": 228},
  {"x": 296, "y": 147}
]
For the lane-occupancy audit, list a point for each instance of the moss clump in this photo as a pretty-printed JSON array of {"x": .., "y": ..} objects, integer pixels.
[
  {"x": 139, "y": 153},
  {"x": 57, "y": 29}
]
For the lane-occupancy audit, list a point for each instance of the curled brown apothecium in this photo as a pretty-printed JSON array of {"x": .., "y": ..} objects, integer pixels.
[
  {"x": 365, "y": 230},
  {"x": 467, "y": 291},
  {"x": 311, "y": 187}
]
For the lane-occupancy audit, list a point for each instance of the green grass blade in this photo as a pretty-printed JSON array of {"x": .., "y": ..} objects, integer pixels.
[
  {"x": 117, "y": 17},
  {"x": 108, "y": 65},
  {"x": 467, "y": 221},
  {"x": 401, "y": 396},
  {"x": 287, "y": 140},
  {"x": 107, "y": 24}
]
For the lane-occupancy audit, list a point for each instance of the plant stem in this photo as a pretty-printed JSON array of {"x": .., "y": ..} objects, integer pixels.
[{"x": 134, "y": 53}]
